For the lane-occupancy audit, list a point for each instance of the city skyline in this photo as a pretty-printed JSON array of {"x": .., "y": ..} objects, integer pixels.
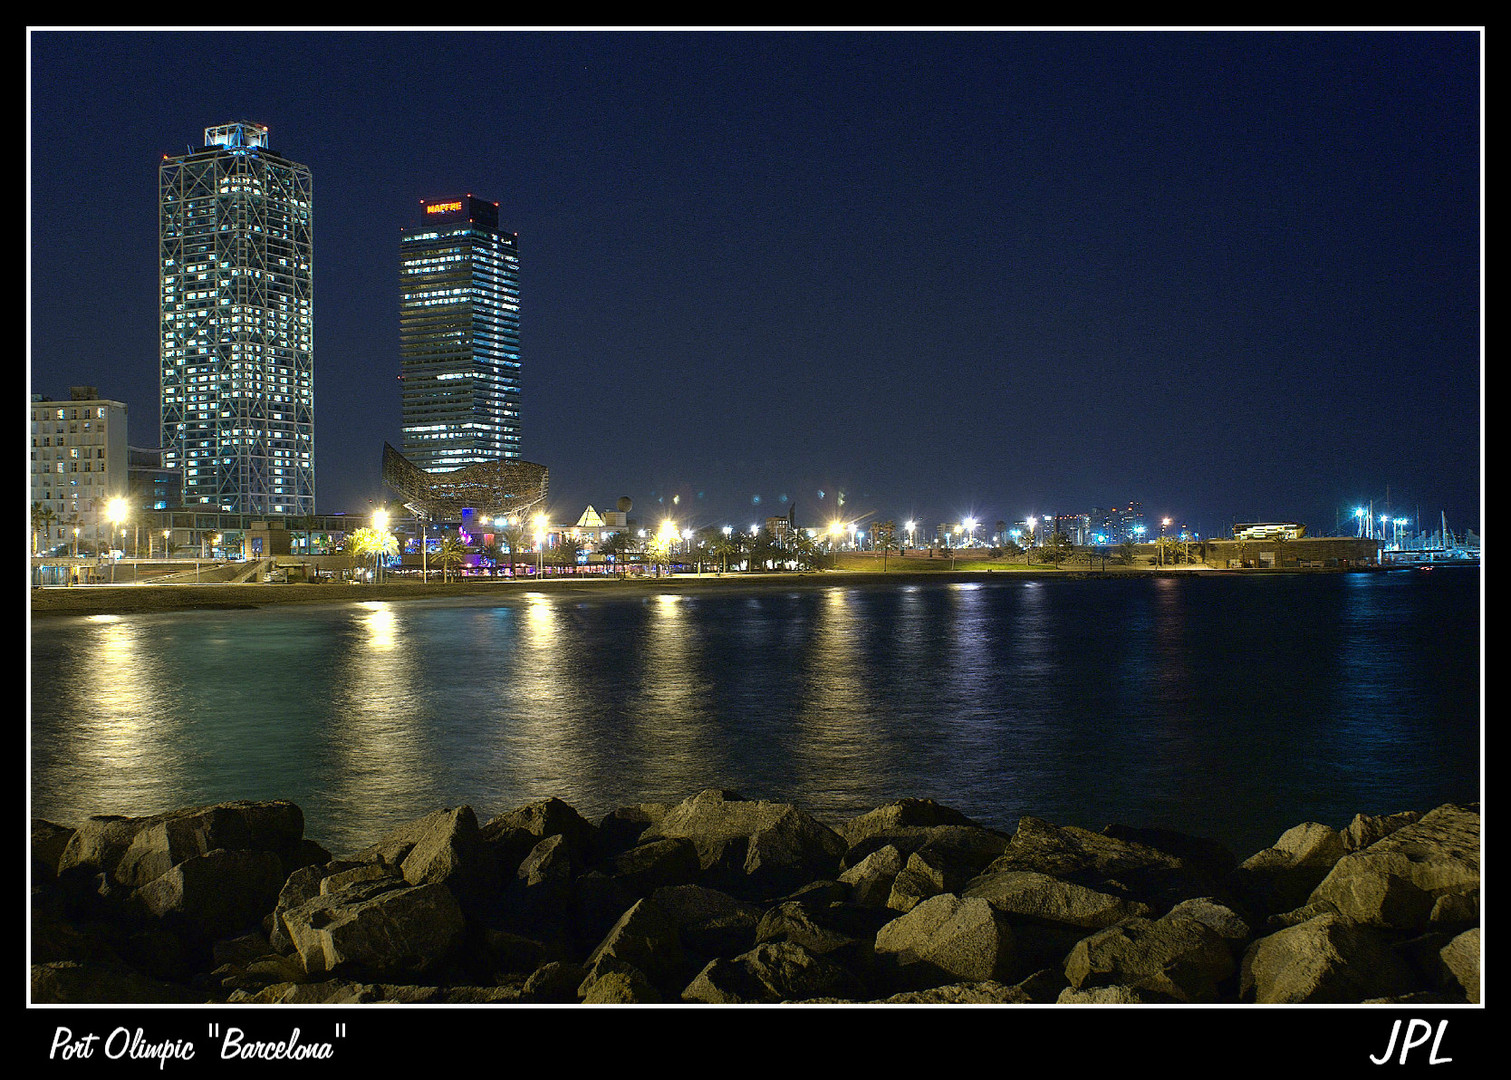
[{"x": 1233, "y": 276}]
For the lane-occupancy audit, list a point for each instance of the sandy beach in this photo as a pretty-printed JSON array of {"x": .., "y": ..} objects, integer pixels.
[{"x": 150, "y": 599}]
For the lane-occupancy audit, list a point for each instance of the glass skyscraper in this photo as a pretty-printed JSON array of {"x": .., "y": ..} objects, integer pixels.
[
  {"x": 459, "y": 336},
  {"x": 236, "y": 279}
]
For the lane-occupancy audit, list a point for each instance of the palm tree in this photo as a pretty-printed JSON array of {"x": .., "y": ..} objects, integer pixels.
[
  {"x": 567, "y": 551},
  {"x": 514, "y": 537},
  {"x": 451, "y": 554},
  {"x": 42, "y": 517},
  {"x": 365, "y": 542},
  {"x": 729, "y": 546},
  {"x": 617, "y": 546}
]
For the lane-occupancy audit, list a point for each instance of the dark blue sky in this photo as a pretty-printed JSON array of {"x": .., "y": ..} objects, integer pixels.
[{"x": 1231, "y": 275}]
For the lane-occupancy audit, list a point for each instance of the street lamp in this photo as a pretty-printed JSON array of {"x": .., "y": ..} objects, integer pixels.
[
  {"x": 912, "y": 527},
  {"x": 116, "y": 511},
  {"x": 380, "y": 525},
  {"x": 970, "y": 531}
]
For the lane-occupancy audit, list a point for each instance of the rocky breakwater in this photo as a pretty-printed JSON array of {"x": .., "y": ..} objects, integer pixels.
[{"x": 720, "y": 899}]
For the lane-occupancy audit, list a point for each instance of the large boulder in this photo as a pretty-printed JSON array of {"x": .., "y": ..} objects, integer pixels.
[
  {"x": 1179, "y": 958},
  {"x": 1460, "y": 960},
  {"x": 645, "y": 938},
  {"x": 774, "y": 972},
  {"x": 1401, "y": 879},
  {"x": 1027, "y": 894},
  {"x": 377, "y": 930},
  {"x": 166, "y": 840},
  {"x": 709, "y": 923},
  {"x": 1107, "y": 864},
  {"x": 752, "y": 848},
  {"x": 546, "y": 817},
  {"x": 872, "y": 878},
  {"x": 948, "y": 938},
  {"x": 1328, "y": 960},
  {"x": 219, "y": 894},
  {"x": 1282, "y": 876},
  {"x": 902, "y": 814}
]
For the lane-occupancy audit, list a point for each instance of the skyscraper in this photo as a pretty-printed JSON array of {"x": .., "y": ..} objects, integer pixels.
[
  {"x": 236, "y": 280},
  {"x": 459, "y": 336}
]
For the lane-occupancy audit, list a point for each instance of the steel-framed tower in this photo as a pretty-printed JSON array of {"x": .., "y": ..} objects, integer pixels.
[
  {"x": 236, "y": 283},
  {"x": 459, "y": 336}
]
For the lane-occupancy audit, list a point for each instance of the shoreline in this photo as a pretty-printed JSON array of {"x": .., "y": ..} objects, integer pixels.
[
  {"x": 148, "y": 599},
  {"x": 717, "y": 899}
]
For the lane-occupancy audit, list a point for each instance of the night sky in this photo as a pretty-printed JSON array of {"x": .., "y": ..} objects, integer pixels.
[{"x": 1229, "y": 275}]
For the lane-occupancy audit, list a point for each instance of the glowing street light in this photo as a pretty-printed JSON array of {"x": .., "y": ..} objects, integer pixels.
[
  {"x": 115, "y": 510},
  {"x": 911, "y": 527}
]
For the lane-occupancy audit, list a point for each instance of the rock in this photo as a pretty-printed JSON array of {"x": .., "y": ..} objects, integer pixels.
[
  {"x": 902, "y": 814},
  {"x": 645, "y": 938},
  {"x": 654, "y": 865},
  {"x": 216, "y": 895},
  {"x": 619, "y": 986},
  {"x": 871, "y": 879},
  {"x": 968, "y": 848},
  {"x": 1461, "y": 964},
  {"x": 548, "y": 817},
  {"x": 378, "y": 930},
  {"x": 709, "y": 923},
  {"x": 774, "y": 972},
  {"x": 97, "y": 845},
  {"x": 71, "y": 982},
  {"x": 1039, "y": 896},
  {"x": 620, "y": 829},
  {"x": 1204, "y": 909},
  {"x": 1178, "y": 958},
  {"x": 977, "y": 993},
  {"x": 448, "y": 851},
  {"x": 1327, "y": 960},
  {"x": 1207, "y": 857},
  {"x": 1397, "y": 881},
  {"x": 48, "y": 842},
  {"x": 161, "y": 842},
  {"x": 948, "y": 938},
  {"x": 1283, "y": 876},
  {"x": 841, "y": 932},
  {"x": 1114, "y": 995},
  {"x": 1366, "y": 829},
  {"x": 325, "y": 992},
  {"x": 554, "y": 983},
  {"x": 765, "y": 848},
  {"x": 1104, "y": 863}
]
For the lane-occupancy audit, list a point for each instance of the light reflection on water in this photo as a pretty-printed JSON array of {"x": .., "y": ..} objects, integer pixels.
[{"x": 1231, "y": 707}]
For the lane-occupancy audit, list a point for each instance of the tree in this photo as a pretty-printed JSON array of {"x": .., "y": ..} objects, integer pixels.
[
  {"x": 514, "y": 538},
  {"x": 1056, "y": 548},
  {"x": 42, "y": 517},
  {"x": 729, "y": 546},
  {"x": 884, "y": 538},
  {"x": 1126, "y": 550},
  {"x": 804, "y": 551},
  {"x": 567, "y": 551},
  {"x": 617, "y": 546},
  {"x": 764, "y": 550},
  {"x": 367, "y": 543},
  {"x": 1280, "y": 541},
  {"x": 450, "y": 555},
  {"x": 658, "y": 550}
]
